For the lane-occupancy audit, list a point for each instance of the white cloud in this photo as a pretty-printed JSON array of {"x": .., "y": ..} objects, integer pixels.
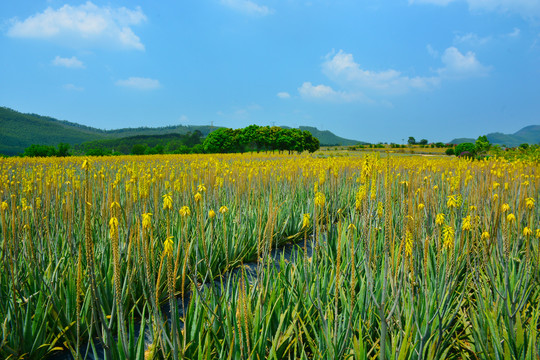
[
  {"x": 71, "y": 62},
  {"x": 471, "y": 39},
  {"x": 283, "y": 95},
  {"x": 309, "y": 91},
  {"x": 434, "y": 53},
  {"x": 525, "y": 8},
  {"x": 248, "y": 7},
  {"x": 139, "y": 83},
  {"x": 458, "y": 65},
  {"x": 344, "y": 70},
  {"x": 71, "y": 87},
  {"x": 515, "y": 33},
  {"x": 86, "y": 24}
]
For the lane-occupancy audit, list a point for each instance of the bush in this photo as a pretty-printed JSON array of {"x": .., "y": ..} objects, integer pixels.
[
  {"x": 450, "y": 151},
  {"x": 465, "y": 150}
]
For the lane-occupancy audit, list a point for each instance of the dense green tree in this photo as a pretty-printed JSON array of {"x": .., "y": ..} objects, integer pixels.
[
  {"x": 423, "y": 142},
  {"x": 411, "y": 140},
  {"x": 465, "y": 149}
]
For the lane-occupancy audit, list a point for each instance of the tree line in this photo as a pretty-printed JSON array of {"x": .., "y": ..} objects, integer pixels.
[{"x": 260, "y": 138}]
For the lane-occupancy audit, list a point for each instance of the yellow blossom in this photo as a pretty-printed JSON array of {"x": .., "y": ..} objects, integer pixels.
[
  {"x": 4, "y": 205},
  {"x": 113, "y": 226},
  {"x": 167, "y": 202},
  {"x": 466, "y": 225},
  {"x": 320, "y": 199},
  {"x": 485, "y": 235},
  {"x": 146, "y": 220},
  {"x": 223, "y": 210},
  {"x": 527, "y": 231},
  {"x": 448, "y": 237},
  {"x": 439, "y": 219},
  {"x": 168, "y": 246},
  {"x": 184, "y": 211},
  {"x": 351, "y": 227},
  {"x": 305, "y": 221},
  {"x": 211, "y": 214},
  {"x": 380, "y": 209},
  {"x": 421, "y": 207},
  {"x": 201, "y": 188},
  {"x": 198, "y": 197},
  {"x": 529, "y": 203},
  {"x": 505, "y": 207},
  {"x": 452, "y": 202},
  {"x": 511, "y": 218}
]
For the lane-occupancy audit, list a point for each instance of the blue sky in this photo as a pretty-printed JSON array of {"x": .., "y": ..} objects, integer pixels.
[{"x": 375, "y": 70}]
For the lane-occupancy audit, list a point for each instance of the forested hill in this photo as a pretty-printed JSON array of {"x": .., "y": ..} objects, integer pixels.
[
  {"x": 529, "y": 135},
  {"x": 18, "y": 131}
]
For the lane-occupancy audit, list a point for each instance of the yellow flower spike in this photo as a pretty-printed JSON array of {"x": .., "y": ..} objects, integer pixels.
[
  {"x": 184, "y": 211},
  {"x": 85, "y": 164},
  {"x": 146, "y": 220},
  {"x": 472, "y": 208},
  {"x": 320, "y": 199},
  {"x": 211, "y": 214},
  {"x": 485, "y": 235},
  {"x": 537, "y": 233},
  {"x": 198, "y": 197},
  {"x": 167, "y": 202},
  {"x": 201, "y": 188},
  {"x": 4, "y": 205},
  {"x": 421, "y": 207},
  {"x": 223, "y": 210},
  {"x": 505, "y": 207},
  {"x": 113, "y": 226},
  {"x": 529, "y": 203},
  {"x": 439, "y": 219},
  {"x": 511, "y": 218},
  {"x": 351, "y": 227},
  {"x": 448, "y": 237},
  {"x": 495, "y": 197},
  {"x": 115, "y": 204},
  {"x": 527, "y": 231},
  {"x": 452, "y": 202},
  {"x": 379, "y": 209},
  {"x": 408, "y": 243},
  {"x": 466, "y": 225},
  {"x": 305, "y": 221},
  {"x": 168, "y": 247}
]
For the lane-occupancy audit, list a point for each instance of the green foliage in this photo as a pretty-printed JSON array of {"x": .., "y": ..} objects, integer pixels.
[
  {"x": 450, "y": 151},
  {"x": 465, "y": 149},
  {"x": 35, "y": 150},
  {"x": 411, "y": 140},
  {"x": 423, "y": 142},
  {"x": 257, "y": 138}
]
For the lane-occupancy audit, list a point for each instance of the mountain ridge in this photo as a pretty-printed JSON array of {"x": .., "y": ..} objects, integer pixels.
[
  {"x": 529, "y": 134},
  {"x": 20, "y": 130}
]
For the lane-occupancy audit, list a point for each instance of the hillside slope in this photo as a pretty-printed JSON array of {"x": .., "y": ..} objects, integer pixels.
[{"x": 529, "y": 134}]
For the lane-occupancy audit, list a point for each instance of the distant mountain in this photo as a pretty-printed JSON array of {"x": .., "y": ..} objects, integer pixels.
[
  {"x": 18, "y": 131},
  {"x": 328, "y": 138},
  {"x": 529, "y": 134}
]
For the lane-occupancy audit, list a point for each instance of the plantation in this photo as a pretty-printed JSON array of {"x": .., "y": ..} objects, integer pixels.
[{"x": 401, "y": 257}]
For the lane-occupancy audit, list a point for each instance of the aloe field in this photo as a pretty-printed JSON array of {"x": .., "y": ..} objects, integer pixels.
[{"x": 395, "y": 257}]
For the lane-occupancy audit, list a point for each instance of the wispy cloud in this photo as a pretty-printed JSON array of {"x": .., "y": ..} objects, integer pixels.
[
  {"x": 248, "y": 7},
  {"x": 283, "y": 95},
  {"x": 342, "y": 69},
  {"x": 83, "y": 25},
  {"x": 355, "y": 84},
  {"x": 471, "y": 39},
  {"x": 458, "y": 65},
  {"x": 71, "y": 87},
  {"x": 515, "y": 33},
  {"x": 309, "y": 91},
  {"x": 525, "y": 8},
  {"x": 71, "y": 62},
  {"x": 139, "y": 83}
]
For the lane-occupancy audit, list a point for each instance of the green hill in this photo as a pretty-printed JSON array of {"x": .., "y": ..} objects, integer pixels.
[
  {"x": 18, "y": 131},
  {"x": 529, "y": 134}
]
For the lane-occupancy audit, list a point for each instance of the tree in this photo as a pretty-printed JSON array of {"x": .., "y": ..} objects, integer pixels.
[
  {"x": 411, "y": 140},
  {"x": 423, "y": 142},
  {"x": 138, "y": 149},
  {"x": 465, "y": 150},
  {"x": 482, "y": 145}
]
